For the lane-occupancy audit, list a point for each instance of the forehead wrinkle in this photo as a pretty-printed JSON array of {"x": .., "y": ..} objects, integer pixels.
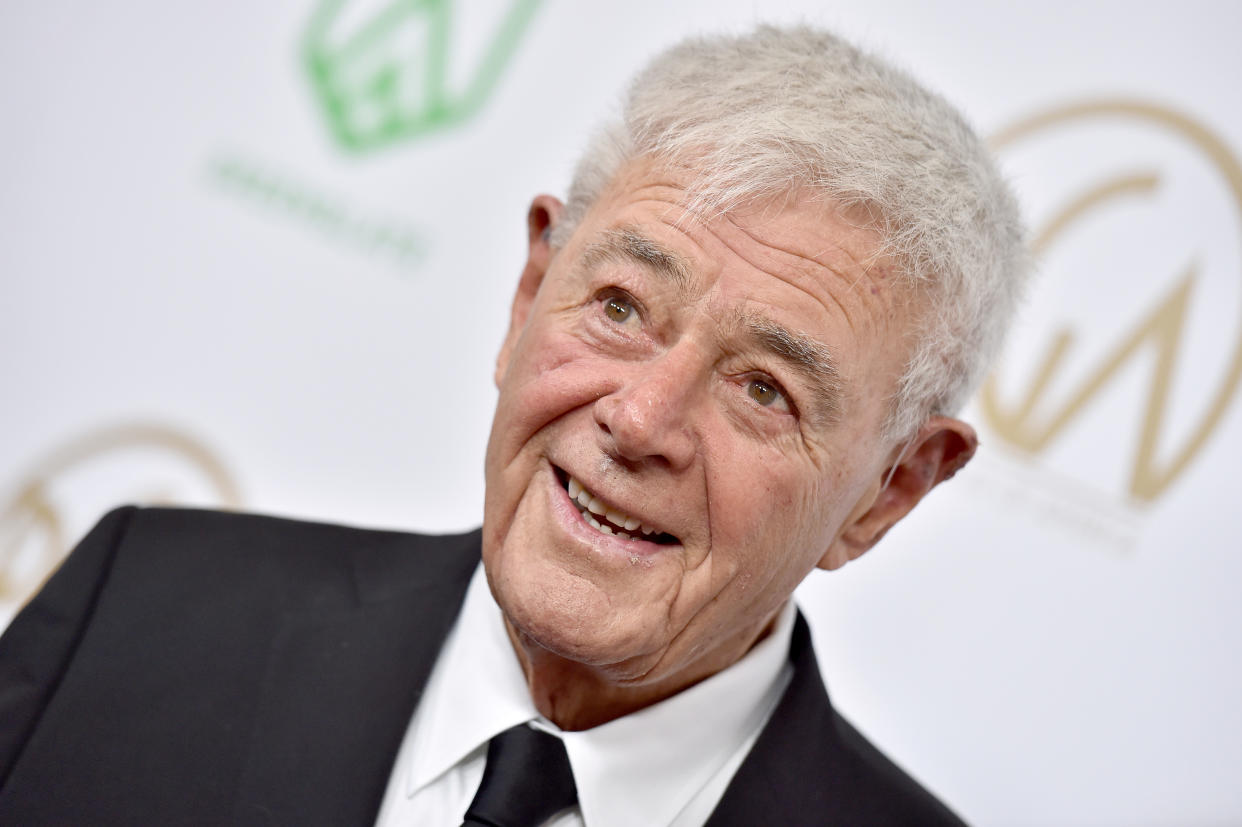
[
  {"x": 821, "y": 258},
  {"x": 863, "y": 266},
  {"x": 845, "y": 221},
  {"x": 792, "y": 281},
  {"x": 629, "y": 244},
  {"x": 805, "y": 355}
]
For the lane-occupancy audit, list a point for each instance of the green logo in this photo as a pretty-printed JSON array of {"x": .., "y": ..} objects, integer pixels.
[{"x": 387, "y": 77}]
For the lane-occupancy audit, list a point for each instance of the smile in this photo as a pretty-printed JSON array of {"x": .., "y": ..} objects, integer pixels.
[{"x": 608, "y": 519}]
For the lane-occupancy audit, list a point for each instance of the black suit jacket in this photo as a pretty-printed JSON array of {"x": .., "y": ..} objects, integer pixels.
[{"x": 192, "y": 667}]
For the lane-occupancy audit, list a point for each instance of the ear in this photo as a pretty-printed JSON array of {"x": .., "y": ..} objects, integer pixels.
[
  {"x": 545, "y": 211},
  {"x": 938, "y": 451}
]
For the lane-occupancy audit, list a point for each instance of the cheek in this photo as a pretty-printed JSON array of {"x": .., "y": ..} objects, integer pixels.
[
  {"x": 765, "y": 502},
  {"x": 774, "y": 517},
  {"x": 551, "y": 375}
]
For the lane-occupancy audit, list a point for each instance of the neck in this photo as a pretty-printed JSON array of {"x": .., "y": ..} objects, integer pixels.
[{"x": 577, "y": 696}]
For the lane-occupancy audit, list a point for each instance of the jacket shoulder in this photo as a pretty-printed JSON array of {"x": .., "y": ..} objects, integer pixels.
[
  {"x": 140, "y": 674},
  {"x": 282, "y": 561}
]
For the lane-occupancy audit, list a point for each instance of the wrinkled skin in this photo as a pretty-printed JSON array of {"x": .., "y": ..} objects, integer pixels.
[{"x": 648, "y": 384}]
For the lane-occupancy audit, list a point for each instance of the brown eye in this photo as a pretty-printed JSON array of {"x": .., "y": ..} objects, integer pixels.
[
  {"x": 618, "y": 309},
  {"x": 762, "y": 392}
]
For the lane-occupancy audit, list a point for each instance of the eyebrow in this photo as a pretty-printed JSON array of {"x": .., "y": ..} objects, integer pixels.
[
  {"x": 812, "y": 359},
  {"x": 628, "y": 244}
]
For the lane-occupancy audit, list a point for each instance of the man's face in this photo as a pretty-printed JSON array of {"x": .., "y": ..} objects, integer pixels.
[{"x": 719, "y": 389}]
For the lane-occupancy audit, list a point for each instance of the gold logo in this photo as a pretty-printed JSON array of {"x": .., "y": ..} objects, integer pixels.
[
  {"x": 1033, "y": 417},
  {"x": 75, "y": 484}
]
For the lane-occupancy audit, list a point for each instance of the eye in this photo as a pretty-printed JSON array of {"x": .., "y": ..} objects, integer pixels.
[
  {"x": 618, "y": 309},
  {"x": 765, "y": 393}
]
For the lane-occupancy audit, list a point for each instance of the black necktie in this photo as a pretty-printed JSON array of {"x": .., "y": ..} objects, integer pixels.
[{"x": 526, "y": 780}]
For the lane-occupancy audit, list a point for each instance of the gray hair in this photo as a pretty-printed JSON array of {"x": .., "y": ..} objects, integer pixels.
[{"x": 777, "y": 110}]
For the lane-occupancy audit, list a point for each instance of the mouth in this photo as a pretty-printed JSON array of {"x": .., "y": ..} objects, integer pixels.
[{"x": 608, "y": 519}]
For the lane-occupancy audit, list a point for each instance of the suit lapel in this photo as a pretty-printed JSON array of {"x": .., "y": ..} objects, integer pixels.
[
  {"x": 340, "y": 686},
  {"x": 811, "y": 767},
  {"x": 782, "y": 780}
]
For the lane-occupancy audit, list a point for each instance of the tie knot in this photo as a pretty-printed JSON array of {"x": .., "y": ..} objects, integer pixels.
[{"x": 527, "y": 780}]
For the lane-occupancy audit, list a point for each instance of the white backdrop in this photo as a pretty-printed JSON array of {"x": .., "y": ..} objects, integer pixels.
[{"x": 206, "y": 297}]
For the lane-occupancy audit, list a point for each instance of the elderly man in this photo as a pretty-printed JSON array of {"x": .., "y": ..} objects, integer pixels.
[{"x": 732, "y": 358}]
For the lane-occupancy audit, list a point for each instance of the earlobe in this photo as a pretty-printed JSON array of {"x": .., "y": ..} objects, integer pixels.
[
  {"x": 544, "y": 214},
  {"x": 939, "y": 450}
]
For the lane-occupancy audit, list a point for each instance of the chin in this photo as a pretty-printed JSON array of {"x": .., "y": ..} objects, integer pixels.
[{"x": 576, "y": 620}]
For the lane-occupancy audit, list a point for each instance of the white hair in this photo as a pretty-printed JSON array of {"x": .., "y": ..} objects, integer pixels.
[{"x": 779, "y": 110}]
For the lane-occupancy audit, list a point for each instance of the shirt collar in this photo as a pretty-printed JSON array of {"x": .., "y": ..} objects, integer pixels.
[
  {"x": 476, "y": 690},
  {"x": 628, "y": 771}
]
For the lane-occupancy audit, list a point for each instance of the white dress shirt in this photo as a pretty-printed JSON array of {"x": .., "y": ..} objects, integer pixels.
[{"x": 667, "y": 764}]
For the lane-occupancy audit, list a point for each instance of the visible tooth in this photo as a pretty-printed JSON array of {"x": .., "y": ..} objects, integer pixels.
[
  {"x": 630, "y": 523},
  {"x": 604, "y": 528},
  {"x": 647, "y": 529},
  {"x": 591, "y": 520},
  {"x": 584, "y": 497},
  {"x": 575, "y": 488},
  {"x": 596, "y": 507},
  {"x": 616, "y": 517}
]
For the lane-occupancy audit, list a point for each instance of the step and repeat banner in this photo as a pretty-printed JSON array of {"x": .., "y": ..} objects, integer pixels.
[{"x": 260, "y": 256}]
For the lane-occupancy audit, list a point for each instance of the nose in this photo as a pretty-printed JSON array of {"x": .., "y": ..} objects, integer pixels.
[{"x": 649, "y": 414}]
